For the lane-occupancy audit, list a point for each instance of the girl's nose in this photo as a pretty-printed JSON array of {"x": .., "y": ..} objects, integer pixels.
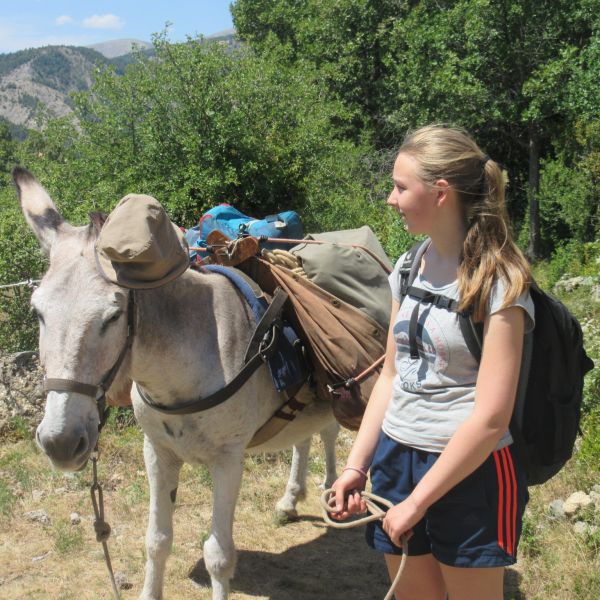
[{"x": 392, "y": 199}]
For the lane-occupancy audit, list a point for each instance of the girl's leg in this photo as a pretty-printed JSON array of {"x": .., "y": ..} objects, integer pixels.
[
  {"x": 469, "y": 583},
  {"x": 421, "y": 579}
]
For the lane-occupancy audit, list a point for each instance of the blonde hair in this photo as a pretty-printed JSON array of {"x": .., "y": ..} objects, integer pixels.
[{"x": 489, "y": 251}]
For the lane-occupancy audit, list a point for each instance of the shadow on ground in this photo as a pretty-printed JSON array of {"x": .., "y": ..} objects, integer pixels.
[{"x": 337, "y": 565}]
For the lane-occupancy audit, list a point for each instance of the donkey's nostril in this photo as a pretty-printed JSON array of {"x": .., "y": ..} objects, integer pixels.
[{"x": 81, "y": 446}]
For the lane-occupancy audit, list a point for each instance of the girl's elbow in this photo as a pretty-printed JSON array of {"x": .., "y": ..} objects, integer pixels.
[{"x": 494, "y": 424}]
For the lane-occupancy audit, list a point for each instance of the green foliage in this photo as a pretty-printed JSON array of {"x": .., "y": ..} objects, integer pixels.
[
  {"x": 202, "y": 124},
  {"x": 20, "y": 260},
  {"x": 67, "y": 538},
  {"x": 7, "y": 499}
]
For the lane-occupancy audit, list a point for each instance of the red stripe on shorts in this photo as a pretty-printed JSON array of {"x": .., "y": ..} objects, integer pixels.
[
  {"x": 514, "y": 500},
  {"x": 501, "y": 542},
  {"x": 509, "y": 495}
]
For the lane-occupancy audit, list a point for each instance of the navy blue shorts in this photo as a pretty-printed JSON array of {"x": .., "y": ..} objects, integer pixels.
[{"x": 476, "y": 524}]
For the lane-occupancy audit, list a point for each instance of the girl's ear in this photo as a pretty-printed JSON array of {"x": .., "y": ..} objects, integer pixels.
[{"x": 443, "y": 188}]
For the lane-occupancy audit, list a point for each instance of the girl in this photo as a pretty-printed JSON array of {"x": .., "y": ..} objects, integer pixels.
[{"x": 435, "y": 432}]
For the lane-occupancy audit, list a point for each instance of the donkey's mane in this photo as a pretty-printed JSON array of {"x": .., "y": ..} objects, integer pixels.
[{"x": 97, "y": 220}]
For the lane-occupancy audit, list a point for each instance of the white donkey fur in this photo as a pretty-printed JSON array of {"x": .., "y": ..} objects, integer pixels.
[{"x": 190, "y": 340}]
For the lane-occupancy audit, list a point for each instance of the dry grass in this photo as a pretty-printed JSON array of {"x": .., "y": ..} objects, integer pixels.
[{"x": 297, "y": 561}]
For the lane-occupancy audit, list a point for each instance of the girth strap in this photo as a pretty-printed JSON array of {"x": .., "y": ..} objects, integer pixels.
[{"x": 263, "y": 344}]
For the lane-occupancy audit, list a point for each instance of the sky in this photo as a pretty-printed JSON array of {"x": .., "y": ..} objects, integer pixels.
[{"x": 35, "y": 23}]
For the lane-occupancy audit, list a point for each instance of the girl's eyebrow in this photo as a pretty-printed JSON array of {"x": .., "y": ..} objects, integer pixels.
[{"x": 398, "y": 181}]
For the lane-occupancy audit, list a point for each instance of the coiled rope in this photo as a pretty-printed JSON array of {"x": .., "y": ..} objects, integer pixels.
[
  {"x": 284, "y": 258},
  {"x": 374, "y": 504}
]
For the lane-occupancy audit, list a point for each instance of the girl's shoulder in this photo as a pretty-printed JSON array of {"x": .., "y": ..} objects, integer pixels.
[{"x": 497, "y": 302}]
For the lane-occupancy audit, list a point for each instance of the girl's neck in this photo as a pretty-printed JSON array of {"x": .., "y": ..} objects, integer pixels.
[{"x": 446, "y": 246}]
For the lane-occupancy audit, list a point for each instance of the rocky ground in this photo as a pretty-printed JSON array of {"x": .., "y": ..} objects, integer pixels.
[{"x": 21, "y": 395}]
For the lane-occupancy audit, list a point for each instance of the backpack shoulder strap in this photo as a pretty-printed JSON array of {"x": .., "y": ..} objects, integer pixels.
[
  {"x": 410, "y": 266},
  {"x": 473, "y": 334}
]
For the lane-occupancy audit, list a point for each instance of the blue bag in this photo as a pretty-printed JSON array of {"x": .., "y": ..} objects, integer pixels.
[{"x": 231, "y": 222}]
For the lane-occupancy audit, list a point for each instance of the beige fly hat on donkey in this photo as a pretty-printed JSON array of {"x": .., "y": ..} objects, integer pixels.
[{"x": 139, "y": 247}]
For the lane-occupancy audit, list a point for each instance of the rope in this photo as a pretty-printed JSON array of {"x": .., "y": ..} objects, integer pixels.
[
  {"x": 283, "y": 258},
  {"x": 373, "y": 503},
  {"x": 29, "y": 283},
  {"x": 101, "y": 527}
]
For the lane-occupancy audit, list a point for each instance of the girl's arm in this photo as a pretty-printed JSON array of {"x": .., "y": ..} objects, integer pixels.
[
  {"x": 366, "y": 439},
  {"x": 478, "y": 436}
]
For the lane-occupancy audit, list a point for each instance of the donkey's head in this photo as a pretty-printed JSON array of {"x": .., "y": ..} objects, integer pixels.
[{"x": 83, "y": 326}]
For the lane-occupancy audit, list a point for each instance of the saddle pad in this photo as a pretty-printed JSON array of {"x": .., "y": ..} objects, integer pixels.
[{"x": 286, "y": 365}]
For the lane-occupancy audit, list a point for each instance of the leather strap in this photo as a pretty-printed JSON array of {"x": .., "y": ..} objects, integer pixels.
[{"x": 68, "y": 385}]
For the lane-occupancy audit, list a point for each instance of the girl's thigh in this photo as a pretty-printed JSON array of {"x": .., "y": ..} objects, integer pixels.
[
  {"x": 421, "y": 579},
  {"x": 465, "y": 583}
]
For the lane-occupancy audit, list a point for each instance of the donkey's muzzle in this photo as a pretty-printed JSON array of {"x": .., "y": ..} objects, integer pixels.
[{"x": 68, "y": 450}]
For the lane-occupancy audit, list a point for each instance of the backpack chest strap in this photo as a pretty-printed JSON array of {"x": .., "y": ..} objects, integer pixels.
[{"x": 422, "y": 296}]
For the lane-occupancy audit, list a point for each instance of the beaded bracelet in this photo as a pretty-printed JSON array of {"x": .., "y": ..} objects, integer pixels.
[{"x": 361, "y": 471}]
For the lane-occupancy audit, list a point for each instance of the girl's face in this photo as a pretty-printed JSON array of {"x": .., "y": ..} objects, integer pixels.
[{"x": 414, "y": 199}]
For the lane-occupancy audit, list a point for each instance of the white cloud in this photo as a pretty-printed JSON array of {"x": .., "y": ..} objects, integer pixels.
[
  {"x": 17, "y": 35},
  {"x": 63, "y": 20},
  {"x": 103, "y": 22}
]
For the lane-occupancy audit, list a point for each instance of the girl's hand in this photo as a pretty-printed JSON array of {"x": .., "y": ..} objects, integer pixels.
[
  {"x": 347, "y": 489},
  {"x": 400, "y": 520}
]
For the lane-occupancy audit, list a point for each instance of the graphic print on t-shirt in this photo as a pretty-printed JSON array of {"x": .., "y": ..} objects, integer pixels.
[{"x": 432, "y": 345}]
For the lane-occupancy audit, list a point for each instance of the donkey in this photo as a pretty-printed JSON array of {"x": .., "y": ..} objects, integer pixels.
[{"x": 189, "y": 341}]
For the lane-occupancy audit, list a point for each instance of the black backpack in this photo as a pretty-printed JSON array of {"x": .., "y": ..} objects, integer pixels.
[{"x": 545, "y": 421}]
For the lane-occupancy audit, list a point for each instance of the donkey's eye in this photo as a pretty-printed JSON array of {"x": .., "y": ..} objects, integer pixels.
[{"x": 110, "y": 320}]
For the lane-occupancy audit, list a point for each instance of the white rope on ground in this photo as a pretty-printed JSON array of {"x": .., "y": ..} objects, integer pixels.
[
  {"x": 374, "y": 504},
  {"x": 29, "y": 283}
]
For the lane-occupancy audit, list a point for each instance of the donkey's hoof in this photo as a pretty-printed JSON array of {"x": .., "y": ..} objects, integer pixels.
[{"x": 283, "y": 517}]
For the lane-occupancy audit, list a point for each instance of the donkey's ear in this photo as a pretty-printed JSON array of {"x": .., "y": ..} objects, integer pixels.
[{"x": 39, "y": 210}]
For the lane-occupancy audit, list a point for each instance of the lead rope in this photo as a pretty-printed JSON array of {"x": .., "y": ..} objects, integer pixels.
[
  {"x": 377, "y": 514},
  {"x": 101, "y": 527}
]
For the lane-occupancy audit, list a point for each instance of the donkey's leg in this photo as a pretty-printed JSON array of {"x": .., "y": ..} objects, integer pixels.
[
  {"x": 219, "y": 550},
  {"x": 296, "y": 486},
  {"x": 163, "y": 476},
  {"x": 329, "y": 436}
]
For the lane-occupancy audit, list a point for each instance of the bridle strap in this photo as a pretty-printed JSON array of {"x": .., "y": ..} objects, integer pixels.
[{"x": 68, "y": 385}]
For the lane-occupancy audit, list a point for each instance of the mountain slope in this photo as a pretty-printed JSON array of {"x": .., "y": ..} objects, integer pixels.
[
  {"x": 45, "y": 77},
  {"x": 115, "y": 48}
]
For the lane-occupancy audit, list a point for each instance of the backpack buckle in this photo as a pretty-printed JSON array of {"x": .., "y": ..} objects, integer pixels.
[{"x": 442, "y": 302}]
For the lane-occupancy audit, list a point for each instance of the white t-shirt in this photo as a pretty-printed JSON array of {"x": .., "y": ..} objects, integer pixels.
[{"x": 434, "y": 394}]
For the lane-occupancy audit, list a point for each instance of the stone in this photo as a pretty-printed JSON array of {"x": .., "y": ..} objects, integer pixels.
[
  {"x": 576, "y": 502},
  {"x": 41, "y": 557},
  {"x": 21, "y": 393},
  {"x": 556, "y": 509},
  {"x": 37, "y": 495},
  {"x": 75, "y": 518},
  {"x": 38, "y": 515},
  {"x": 580, "y": 528},
  {"x": 568, "y": 285},
  {"x": 122, "y": 581}
]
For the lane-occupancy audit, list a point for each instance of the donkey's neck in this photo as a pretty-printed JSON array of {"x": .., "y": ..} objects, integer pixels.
[{"x": 191, "y": 335}]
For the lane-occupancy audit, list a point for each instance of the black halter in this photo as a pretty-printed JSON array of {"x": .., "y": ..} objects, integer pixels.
[{"x": 98, "y": 392}]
